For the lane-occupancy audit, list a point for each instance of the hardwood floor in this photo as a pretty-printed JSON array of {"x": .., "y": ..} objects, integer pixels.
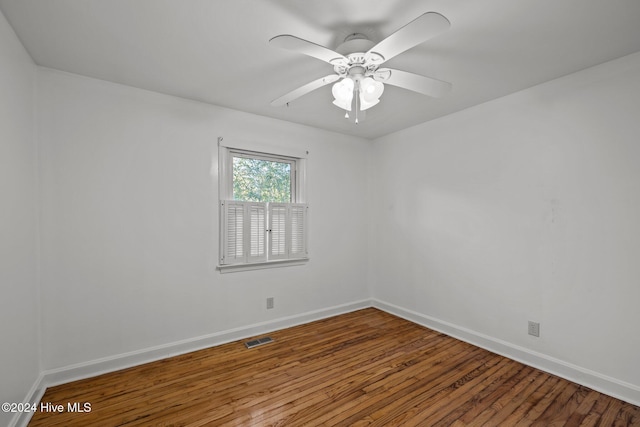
[{"x": 359, "y": 369}]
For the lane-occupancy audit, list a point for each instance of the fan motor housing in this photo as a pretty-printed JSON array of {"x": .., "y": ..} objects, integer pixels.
[
  {"x": 354, "y": 48},
  {"x": 355, "y": 43}
]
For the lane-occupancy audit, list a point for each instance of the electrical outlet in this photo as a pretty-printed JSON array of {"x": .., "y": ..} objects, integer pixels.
[
  {"x": 534, "y": 328},
  {"x": 269, "y": 303}
]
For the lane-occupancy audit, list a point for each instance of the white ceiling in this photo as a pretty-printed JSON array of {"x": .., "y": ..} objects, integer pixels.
[{"x": 217, "y": 51}]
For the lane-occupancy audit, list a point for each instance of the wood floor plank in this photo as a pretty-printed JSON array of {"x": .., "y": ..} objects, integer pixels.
[
  {"x": 543, "y": 400},
  {"x": 366, "y": 368},
  {"x": 403, "y": 378},
  {"x": 575, "y": 417},
  {"x": 486, "y": 404},
  {"x": 610, "y": 415},
  {"x": 595, "y": 414},
  {"x": 512, "y": 400},
  {"x": 432, "y": 400},
  {"x": 462, "y": 397},
  {"x": 396, "y": 404}
]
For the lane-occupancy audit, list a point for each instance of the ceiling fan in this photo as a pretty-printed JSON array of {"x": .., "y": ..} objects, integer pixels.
[{"x": 356, "y": 64}]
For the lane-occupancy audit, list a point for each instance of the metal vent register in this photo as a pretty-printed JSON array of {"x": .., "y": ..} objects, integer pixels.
[{"x": 259, "y": 341}]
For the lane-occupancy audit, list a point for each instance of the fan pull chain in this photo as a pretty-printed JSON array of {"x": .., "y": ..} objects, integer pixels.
[{"x": 357, "y": 106}]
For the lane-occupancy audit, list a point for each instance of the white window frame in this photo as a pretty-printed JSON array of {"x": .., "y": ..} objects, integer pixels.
[{"x": 247, "y": 252}]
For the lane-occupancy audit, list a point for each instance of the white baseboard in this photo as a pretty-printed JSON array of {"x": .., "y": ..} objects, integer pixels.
[
  {"x": 602, "y": 383},
  {"x": 611, "y": 386},
  {"x": 21, "y": 419},
  {"x": 126, "y": 360},
  {"x": 93, "y": 368}
]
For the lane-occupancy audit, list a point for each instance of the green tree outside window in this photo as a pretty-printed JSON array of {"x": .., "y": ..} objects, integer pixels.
[{"x": 258, "y": 180}]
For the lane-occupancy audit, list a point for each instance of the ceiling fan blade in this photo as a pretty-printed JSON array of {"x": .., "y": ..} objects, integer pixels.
[
  {"x": 421, "y": 84},
  {"x": 415, "y": 32},
  {"x": 306, "y": 47},
  {"x": 303, "y": 90}
]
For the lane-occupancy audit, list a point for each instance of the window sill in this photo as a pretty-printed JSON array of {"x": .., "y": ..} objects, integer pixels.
[{"x": 232, "y": 268}]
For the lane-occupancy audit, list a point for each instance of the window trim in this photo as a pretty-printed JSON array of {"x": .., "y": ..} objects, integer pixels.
[
  {"x": 232, "y": 268},
  {"x": 225, "y": 173},
  {"x": 298, "y": 158}
]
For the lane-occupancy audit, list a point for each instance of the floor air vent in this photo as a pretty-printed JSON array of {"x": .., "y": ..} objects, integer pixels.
[{"x": 259, "y": 341}]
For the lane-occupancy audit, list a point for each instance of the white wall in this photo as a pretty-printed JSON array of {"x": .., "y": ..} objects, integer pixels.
[
  {"x": 19, "y": 351},
  {"x": 523, "y": 208},
  {"x": 130, "y": 221}
]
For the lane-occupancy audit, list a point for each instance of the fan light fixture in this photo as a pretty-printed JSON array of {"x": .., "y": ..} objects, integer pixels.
[
  {"x": 343, "y": 93},
  {"x": 366, "y": 90},
  {"x": 357, "y": 75},
  {"x": 370, "y": 92}
]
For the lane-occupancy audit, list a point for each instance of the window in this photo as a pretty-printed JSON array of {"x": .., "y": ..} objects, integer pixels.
[
  {"x": 263, "y": 217},
  {"x": 262, "y": 178}
]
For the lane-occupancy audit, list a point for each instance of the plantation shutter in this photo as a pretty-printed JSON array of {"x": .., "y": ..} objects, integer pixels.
[
  {"x": 257, "y": 232},
  {"x": 243, "y": 232},
  {"x": 232, "y": 222},
  {"x": 288, "y": 225},
  {"x": 298, "y": 220},
  {"x": 245, "y": 238},
  {"x": 278, "y": 234}
]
